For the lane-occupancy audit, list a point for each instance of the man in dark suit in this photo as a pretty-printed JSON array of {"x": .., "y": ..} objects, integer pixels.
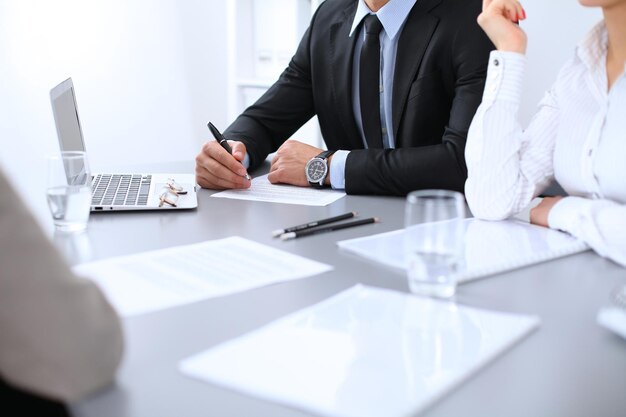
[{"x": 394, "y": 83}]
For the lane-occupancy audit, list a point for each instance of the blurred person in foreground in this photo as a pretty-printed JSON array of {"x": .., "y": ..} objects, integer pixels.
[{"x": 60, "y": 338}]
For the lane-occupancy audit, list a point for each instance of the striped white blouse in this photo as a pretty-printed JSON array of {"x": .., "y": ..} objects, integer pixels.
[{"x": 577, "y": 136}]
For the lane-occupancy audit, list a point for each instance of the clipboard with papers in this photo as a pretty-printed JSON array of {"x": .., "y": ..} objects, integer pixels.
[{"x": 490, "y": 247}]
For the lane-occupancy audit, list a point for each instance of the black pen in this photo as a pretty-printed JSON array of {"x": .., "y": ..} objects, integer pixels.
[
  {"x": 309, "y": 225},
  {"x": 222, "y": 141},
  {"x": 317, "y": 230}
]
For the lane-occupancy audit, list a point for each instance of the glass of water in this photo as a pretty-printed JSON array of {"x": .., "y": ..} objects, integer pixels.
[
  {"x": 69, "y": 190},
  {"x": 434, "y": 235}
]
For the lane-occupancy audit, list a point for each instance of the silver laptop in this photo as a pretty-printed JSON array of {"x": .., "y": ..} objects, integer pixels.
[{"x": 119, "y": 191}]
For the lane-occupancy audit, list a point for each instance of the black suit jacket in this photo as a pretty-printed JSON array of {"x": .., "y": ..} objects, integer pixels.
[{"x": 438, "y": 83}]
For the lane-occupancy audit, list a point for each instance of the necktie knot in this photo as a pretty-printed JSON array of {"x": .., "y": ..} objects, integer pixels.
[{"x": 373, "y": 25}]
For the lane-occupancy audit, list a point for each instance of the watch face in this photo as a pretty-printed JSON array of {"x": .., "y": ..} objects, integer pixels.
[{"x": 316, "y": 170}]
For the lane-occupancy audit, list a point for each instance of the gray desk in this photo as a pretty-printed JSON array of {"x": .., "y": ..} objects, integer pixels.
[{"x": 568, "y": 367}]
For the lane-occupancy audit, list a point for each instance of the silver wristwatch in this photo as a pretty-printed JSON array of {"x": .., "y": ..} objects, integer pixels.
[{"x": 316, "y": 169}]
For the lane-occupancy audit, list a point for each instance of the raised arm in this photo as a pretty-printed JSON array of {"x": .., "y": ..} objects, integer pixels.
[{"x": 507, "y": 167}]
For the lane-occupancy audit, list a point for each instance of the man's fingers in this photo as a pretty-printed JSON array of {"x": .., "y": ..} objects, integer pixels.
[
  {"x": 239, "y": 150},
  {"x": 224, "y": 176},
  {"x": 275, "y": 163},
  {"x": 210, "y": 173},
  {"x": 215, "y": 151},
  {"x": 275, "y": 177},
  {"x": 216, "y": 183}
]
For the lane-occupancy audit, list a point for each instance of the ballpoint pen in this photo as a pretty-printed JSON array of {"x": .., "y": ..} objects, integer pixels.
[
  {"x": 310, "y": 225},
  {"x": 316, "y": 230},
  {"x": 222, "y": 141}
]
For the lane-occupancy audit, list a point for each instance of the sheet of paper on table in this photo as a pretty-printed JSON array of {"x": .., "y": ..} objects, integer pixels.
[
  {"x": 263, "y": 190},
  {"x": 170, "y": 277},
  {"x": 365, "y": 352}
]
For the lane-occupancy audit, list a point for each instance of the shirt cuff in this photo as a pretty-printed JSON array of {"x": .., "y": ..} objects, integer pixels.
[
  {"x": 505, "y": 76},
  {"x": 338, "y": 170},
  {"x": 567, "y": 213}
]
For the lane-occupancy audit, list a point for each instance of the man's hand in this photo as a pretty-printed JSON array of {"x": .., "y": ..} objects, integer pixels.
[
  {"x": 289, "y": 163},
  {"x": 539, "y": 214},
  {"x": 499, "y": 21},
  {"x": 218, "y": 170}
]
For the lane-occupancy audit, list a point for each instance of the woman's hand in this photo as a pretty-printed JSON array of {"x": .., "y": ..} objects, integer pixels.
[
  {"x": 499, "y": 21},
  {"x": 539, "y": 214}
]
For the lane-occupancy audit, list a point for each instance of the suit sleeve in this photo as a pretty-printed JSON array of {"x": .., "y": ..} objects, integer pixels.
[
  {"x": 281, "y": 111},
  {"x": 399, "y": 171},
  {"x": 60, "y": 337}
]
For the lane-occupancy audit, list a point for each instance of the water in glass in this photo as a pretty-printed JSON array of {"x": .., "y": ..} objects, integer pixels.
[
  {"x": 69, "y": 206},
  {"x": 69, "y": 190},
  {"x": 434, "y": 241}
]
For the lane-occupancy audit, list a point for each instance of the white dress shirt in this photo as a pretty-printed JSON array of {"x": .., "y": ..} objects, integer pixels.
[
  {"x": 577, "y": 136},
  {"x": 392, "y": 15}
]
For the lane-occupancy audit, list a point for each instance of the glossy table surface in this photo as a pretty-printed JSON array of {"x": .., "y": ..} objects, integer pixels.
[{"x": 569, "y": 366}]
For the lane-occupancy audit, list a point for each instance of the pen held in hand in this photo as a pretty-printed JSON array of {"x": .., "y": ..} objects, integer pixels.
[
  {"x": 315, "y": 223},
  {"x": 316, "y": 230},
  {"x": 222, "y": 141}
]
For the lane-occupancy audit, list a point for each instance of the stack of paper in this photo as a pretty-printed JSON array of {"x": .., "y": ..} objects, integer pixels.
[{"x": 364, "y": 352}]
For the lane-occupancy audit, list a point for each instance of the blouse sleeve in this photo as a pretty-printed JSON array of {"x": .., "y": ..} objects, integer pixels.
[
  {"x": 508, "y": 166},
  {"x": 600, "y": 223}
]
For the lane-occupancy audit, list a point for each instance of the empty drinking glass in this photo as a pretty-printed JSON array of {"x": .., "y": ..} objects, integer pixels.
[
  {"x": 434, "y": 237},
  {"x": 69, "y": 190}
]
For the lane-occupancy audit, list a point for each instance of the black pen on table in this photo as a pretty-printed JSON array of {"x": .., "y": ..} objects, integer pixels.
[
  {"x": 315, "y": 223},
  {"x": 316, "y": 230},
  {"x": 222, "y": 141}
]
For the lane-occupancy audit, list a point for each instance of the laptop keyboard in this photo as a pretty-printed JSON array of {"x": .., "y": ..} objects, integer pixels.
[{"x": 120, "y": 190}]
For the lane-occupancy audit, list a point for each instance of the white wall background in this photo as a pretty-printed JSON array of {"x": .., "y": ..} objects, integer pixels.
[
  {"x": 147, "y": 73},
  {"x": 554, "y": 28},
  {"x": 150, "y": 73}
]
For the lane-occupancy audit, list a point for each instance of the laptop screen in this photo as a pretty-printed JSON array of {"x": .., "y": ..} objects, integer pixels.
[{"x": 66, "y": 117}]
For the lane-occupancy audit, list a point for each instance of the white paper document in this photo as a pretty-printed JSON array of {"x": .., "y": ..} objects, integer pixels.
[
  {"x": 614, "y": 319},
  {"x": 263, "y": 190},
  {"x": 165, "y": 278},
  {"x": 365, "y": 352},
  {"x": 490, "y": 247}
]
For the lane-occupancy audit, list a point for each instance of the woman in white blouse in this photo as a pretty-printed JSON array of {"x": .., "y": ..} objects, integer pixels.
[{"x": 577, "y": 137}]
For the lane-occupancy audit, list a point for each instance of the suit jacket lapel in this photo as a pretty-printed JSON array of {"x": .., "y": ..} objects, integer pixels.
[
  {"x": 414, "y": 39},
  {"x": 342, "y": 51}
]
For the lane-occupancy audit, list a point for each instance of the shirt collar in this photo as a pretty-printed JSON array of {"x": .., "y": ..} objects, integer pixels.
[
  {"x": 392, "y": 15},
  {"x": 593, "y": 48}
]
